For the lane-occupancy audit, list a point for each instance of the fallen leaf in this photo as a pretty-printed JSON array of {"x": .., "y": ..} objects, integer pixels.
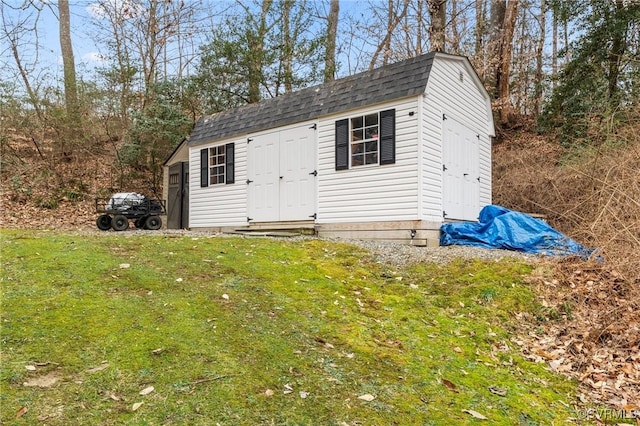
[
  {"x": 136, "y": 406},
  {"x": 147, "y": 391},
  {"x": 367, "y": 397},
  {"x": 457, "y": 349},
  {"x": 304, "y": 394},
  {"x": 98, "y": 368},
  {"x": 555, "y": 364},
  {"x": 475, "y": 414},
  {"x": 449, "y": 385},
  {"x": 157, "y": 351},
  {"x": 498, "y": 391},
  {"x": 125, "y": 265},
  {"x": 21, "y": 412},
  {"x": 30, "y": 367}
]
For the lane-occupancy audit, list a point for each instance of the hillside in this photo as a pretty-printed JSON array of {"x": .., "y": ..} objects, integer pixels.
[{"x": 591, "y": 326}]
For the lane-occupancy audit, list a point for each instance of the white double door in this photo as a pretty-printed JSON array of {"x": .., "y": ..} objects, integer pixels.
[
  {"x": 461, "y": 171},
  {"x": 281, "y": 170}
]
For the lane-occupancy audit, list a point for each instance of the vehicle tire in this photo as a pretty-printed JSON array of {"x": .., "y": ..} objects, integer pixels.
[
  {"x": 120, "y": 223},
  {"x": 153, "y": 223},
  {"x": 103, "y": 222},
  {"x": 140, "y": 222}
]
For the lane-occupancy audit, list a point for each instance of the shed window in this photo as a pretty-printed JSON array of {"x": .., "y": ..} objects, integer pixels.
[
  {"x": 217, "y": 165},
  {"x": 365, "y": 140}
]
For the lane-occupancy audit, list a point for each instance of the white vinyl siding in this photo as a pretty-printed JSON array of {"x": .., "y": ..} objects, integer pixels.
[
  {"x": 371, "y": 192},
  {"x": 464, "y": 101},
  {"x": 409, "y": 189},
  {"x": 218, "y": 205}
]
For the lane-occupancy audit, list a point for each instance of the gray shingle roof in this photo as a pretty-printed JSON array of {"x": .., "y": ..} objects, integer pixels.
[{"x": 395, "y": 81}]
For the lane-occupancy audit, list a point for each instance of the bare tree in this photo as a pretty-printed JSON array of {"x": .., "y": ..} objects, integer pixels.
[
  {"x": 395, "y": 15},
  {"x": 498, "y": 9},
  {"x": 539, "y": 75},
  {"x": 455, "y": 31},
  {"x": 69, "y": 66},
  {"x": 13, "y": 33},
  {"x": 504, "y": 68},
  {"x": 330, "y": 46},
  {"x": 479, "y": 37},
  {"x": 438, "y": 14}
]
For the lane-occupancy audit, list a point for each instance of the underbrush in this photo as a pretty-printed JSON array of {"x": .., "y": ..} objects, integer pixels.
[
  {"x": 140, "y": 329},
  {"x": 593, "y": 195}
]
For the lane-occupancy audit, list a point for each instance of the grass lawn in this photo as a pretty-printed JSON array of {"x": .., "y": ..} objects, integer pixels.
[{"x": 174, "y": 330}]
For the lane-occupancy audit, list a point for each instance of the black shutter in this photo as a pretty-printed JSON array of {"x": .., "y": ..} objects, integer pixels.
[
  {"x": 204, "y": 167},
  {"x": 388, "y": 136},
  {"x": 342, "y": 144},
  {"x": 229, "y": 165}
]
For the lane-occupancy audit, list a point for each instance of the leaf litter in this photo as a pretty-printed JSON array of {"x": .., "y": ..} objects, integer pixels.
[{"x": 590, "y": 330}]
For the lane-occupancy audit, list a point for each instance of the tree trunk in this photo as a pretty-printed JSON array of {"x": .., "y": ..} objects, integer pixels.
[
  {"x": 68, "y": 63},
  {"x": 438, "y": 13},
  {"x": 256, "y": 54},
  {"x": 455, "y": 33},
  {"x": 502, "y": 78},
  {"x": 554, "y": 49},
  {"x": 419, "y": 13},
  {"x": 149, "y": 53},
  {"x": 332, "y": 32},
  {"x": 287, "y": 48},
  {"x": 479, "y": 34},
  {"x": 494, "y": 48},
  {"x": 542, "y": 20}
]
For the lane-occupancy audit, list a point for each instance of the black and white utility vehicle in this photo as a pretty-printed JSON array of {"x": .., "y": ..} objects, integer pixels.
[{"x": 116, "y": 211}]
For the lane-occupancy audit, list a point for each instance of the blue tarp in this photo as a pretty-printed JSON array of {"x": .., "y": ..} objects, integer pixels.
[{"x": 501, "y": 228}]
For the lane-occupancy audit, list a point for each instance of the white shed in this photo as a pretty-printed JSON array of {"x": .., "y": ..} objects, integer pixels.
[{"x": 389, "y": 154}]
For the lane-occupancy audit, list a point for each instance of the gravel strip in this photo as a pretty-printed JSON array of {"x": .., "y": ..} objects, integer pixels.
[
  {"x": 404, "y": 254},
  {"x": 394, "y": 254}
]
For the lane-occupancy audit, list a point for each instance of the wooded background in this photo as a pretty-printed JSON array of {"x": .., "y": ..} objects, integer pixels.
[{"x": 568, "y": 69}]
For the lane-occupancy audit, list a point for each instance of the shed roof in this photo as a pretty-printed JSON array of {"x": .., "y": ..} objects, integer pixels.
[{"x": 394, "y": 81}]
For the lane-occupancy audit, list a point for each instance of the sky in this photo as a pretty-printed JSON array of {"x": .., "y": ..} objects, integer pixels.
[
  {"x": 86, "y": 53},
  {"x": 48, "y": 54}
]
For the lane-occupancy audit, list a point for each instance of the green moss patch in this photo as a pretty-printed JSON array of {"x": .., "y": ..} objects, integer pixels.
[{"x": 260, "y": 331}]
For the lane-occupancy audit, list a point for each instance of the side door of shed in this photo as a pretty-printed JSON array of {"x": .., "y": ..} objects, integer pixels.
[
  {"x": 178, "y": 196},
  {"x": 461, "y": 171}
]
